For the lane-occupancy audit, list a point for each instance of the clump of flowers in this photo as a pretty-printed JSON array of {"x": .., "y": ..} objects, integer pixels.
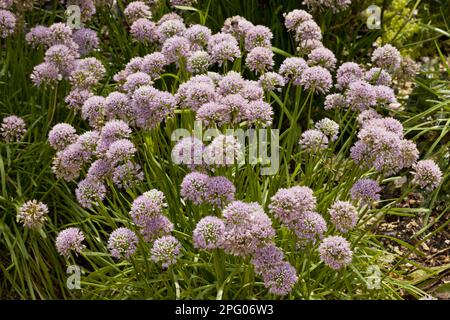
[
  {"x": 70, "y": 240},
  {"x": 32, "y": 214}
]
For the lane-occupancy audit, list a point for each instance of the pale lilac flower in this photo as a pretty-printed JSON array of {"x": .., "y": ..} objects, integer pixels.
[
  {"x": 7, "y": 23},
  {"x": 198, "y": 62},
  {"x": 335, "y": 252},
  {"x": 45, "y": 74},
  {"x": 156, "y": 227},
  {"x": 328, "y": 127},
  {"x": 118, "y": 105},
  {"x": 237, "y": 26},
  {"x": 378, "y": 76},
  {"x": 219, "y": 191},
  {"x": 308, "y": 30},
  {"x": 289, "y": 204},
  {"x": 252, "y": 91},
  {"x": 223, "y": 151},
  {"x": 89, "y": 192},
  {"x": 214, "y": 113},
  {"x": 259, "y": 59},
  {"x": 147, "y": 206},
  {"x": 306, "y": 46},
  {"x": 322, "y": 57},
  {"x": 169, "y": 29},
  {"x": 135, "y": 81},
  {"x": 6, "y": 4},
  {"x": 258, "y": 113},
  {"x": 258, "y": 36},
  {"x": 385, "y": 95},
  {"x": 87, "y": 72},
  {"x": 361, "y": 95},
  {"x": 271, "y": 81},
  {"x": 99, "y": 169},
  {"x": 136, "y": 10},
  {"x": 87, "y": 40},
  {"x": 93, "y": 111},
  {"x": 367, "y": 115},
  {"x": 67, "y": 163},
  {"x": 182, "y": 2},
  {"x": 70, "y": 240},
  {"x": 347, "y": 73},
  {"x": 281, "y": 279},
  {"x": 309, "y": 226},
  {"x": 225, "y": 51},
  {"x": 192, "y": 94},
  {"x": 169, "y": 16},
  {"x": 343, "y": 215},
  {"x": 77, "y": 97},
  {"x": 427, "y": 174},
  {"x": 13, "y": 128},
  {"x": 334, "y": 5},
  {"x": 209, "y": 233},
  {"x": 316, "y": 79},
  {"x": 175, "y": 48},
  {"x": 127, "y": 175},
  {"x": 387, "y": 57},
  {"x": 61, "y": 135},
  {"x": 236, "y": 105},
  {"x": 294, "y": 18},
  {"x": 217, "y": 38},
  {"x": 122, "y": 243},
  {"x": 313, "y": 141},
  {"x": 266, "y": 258},
  {"x": 153, "y": 64},
  {"x": 166, "y": 250},
  {"x": 335, "y": 101},
  {"x": 231, "y": 83},
  {"x": 194, "y": 187},
  {"x": 32, "y": 214},
  {"x": 292, "y": 68},
  {"x": 38, "y": 35},
  {"x": 120, "y": 151},
  {"x": 198, "y": 36},
  {"x": 188, "y": 151},
  {"x": 59, "y": 33},
  {"x": 112, "y": 130},
  {"x": 144, "y": 30},
  {"x": 365, "y": 190},
  {"x": 88, "y": 141}
]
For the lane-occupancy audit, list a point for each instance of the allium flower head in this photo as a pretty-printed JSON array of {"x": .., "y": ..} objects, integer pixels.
[
  {"x": 45, "y": 74},
  {"x": 335, "y": 252},
  {"x": 214, "y": 113},
  {"x": 118, "y": 105},
  {"x": 258, "y": 36},
  {"x": 194, "y": 187},
  {"x": 289, "y": 204},
  {"x": 247, "y": 227},
  {"x": 367, "y": 115},
  {"x": 316, "y": 79},
  {"x": 59, "y": 33},
  {"x": 144, "y": 30},
  {"x": 7, "y": 23},
  {"x": 208, "y": 233},
  {"x": 335, "y": 101},
  {"x": 166, "y": 250},
  {"x": 195, "y": 92},
  {"x": 266, "y": 258},
  {"x": 259, "y": 59},
  {"x": 427, "y": 174},
  {"x": 309, "y": 226},
  {"x": 156, "y": 227},
  {"x": 378, "y": 76},
  {"x": 112, "y": 130},
  {"x": 93, "y": 111},
  {"x": 77, "y": 97},
  {"x": 387, "y": 57},
  {"x": 237, "y": 26},
  {"x": 292, "y": 68},
  {"x": 176, "y": 48},
  {"x": 98, "y": 170},
  {"x": 38, "y": 35},
  {"x": 120, "y": 151},
  {"x": 258, "y": 113},
  {"x": 294, "y": 18},
  {"x": 12, "y": 128},
  {"x": 227, "y": 50},
  {"x": 90, "y": 191},
  {"x": 271, "y": 81},
  {"x": 136, "y": 10},
  {"x": 252, "y": 91},
  {"x": 308, "y": 30},
  {"x": 147, "y": 206},
  {"x": 334, "y": 5},
  {"x": 385, "y": 96},
  {"x": 70, "y": 240},
  {"x": 313, "y": 141},
  {"x": 87, "y": 72},
  {"x": 198, "y": 35},
  {"x": 86, "y": 39},
  {"x": 170, "y": 28},
  {"x": 281, "y": 279},
  {"x": 198, "y": 62},
  {"x": 182, "y": 2},
  {"x": 136, "y": 80},
  {"x": 67, "y": 163},
  {"x": 32, "y": 214},
  {"x": 343, "y": 215},
  {"x": 347, "y": 73},
  {"x": 219, "y": 191},
  {"x": 153, "y": 64},
  {"x": 61, "y": 135},
  {"x": 122, "y": 243},
  {"x": 361, "y": 95},
  {"x": 224, "y": 150},
  {"x": 328, "y": 127},
  {"x": 322, "y": 57},
  {"x": 62, "y": 57},
  {"x": 188, "y": 151},
  {"x": 127, "y": 175},
  {"x": 231, "y": 83},
  {"x": 365, "y": 190},
  {"x": 88, "y": 141}
]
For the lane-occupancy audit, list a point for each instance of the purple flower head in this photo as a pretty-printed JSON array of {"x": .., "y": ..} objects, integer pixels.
[
  {"x": 219, "y": 191},
  {"x": 153, "y": 64},
  {"x": 120, "y": 151},
  {"x": 45, "y": 74},
  {"x": 127, "y": 175},
  {"x": 316, "y": 79},
  {"x": 427, "y": 174},
  {"x": 259, "y": 59},
  {"x": 236, "y": 104},
  {"x": 61, "y": 135},
  {"x": 289, "y": 204},
  {"x": 151, "y": 106},
  {"x": 308, "y": 30},
  {"x": 77, "y": 97},
  {"x": 343, "y": 215},
  {"x": 224, "y": 51},
  {"x": 217, "y": 38},
  {"x": 258, "y": 113},
  {"x": 271, "y": 81},
  {"x": 118, "y": 105},
  {"x": 385, "y": 95},
  {"x": 87, "y": 40},
  {"x": 38, "y": 35},
  {"x": 188, "y": 151},
  {"x": 112, "y": 130},
  {"x": 335, "y": 101},
  {"x": 294, "y": 18},
  {"x": 147, "y": 206},
  {"x": 333, "y": 5},
  {"x": 309, "y": 226},
  {"x": 348, "y": 73},
  {"x": 156, "y": 227},
  {"x": 87, "y": 73},
  {"x": 89, "y": 192},
  {"x": 237, "y": 26},
  {"x": 194, "y": 187},
  {"x": 182, "y": 2},
  {"x": 59, "y": 33},
  {"x": 166, "y": 250},
  {"x": 379, "y": 77},
  {"x": 247, "y": 227},
  {"x": 70, "y": 240},
  {"x": 387, "y": 57},
  {"x": 169, "y": 16},
  {"x": 322, "y": 57},
  {"x": 361, "y": 95},
  {"x": 306, "y": 46},
  {"x": 135, "y": 81},
  {"x": 281, "y": 279},
  {"x": 98, "y": 170},
  {"x": 258, "y": 36},
  {"x": 313, "y": 141},
  {"x": 252, "y": 91},
  {"x": 136, "y": 10},
  {"x": 365, "y": 190},
  {"x": 266, "y": 258},
  {"x": 367, "y": 115},
  {"x": 7, "y": 23},
  {"x": 209, "y": 233},
  {"x": 292, "y": 68},
  {"x": 122, "y": 243},
  {"x": 62, "y": 57},
  {"x": 231, "y": 83},
  {"x": 144, "y": 30},
  {"x": 198, "y": 62},
  {"x": 13, "y": 128},
  {"x": 169, "y": 29},
  {"x": 67, "y": 163},
  {"x": 193, "y": 94},
  {"x": 212, "y": 113},
  {"x": 335, "y": 252},
  {"x": 93, "y": 111},
  {"x": 175, "y": 48},
  {"x": 32, "y": 214},
  {"x": 198, "y": 36},
  {"x": 88, "y": 141}
]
